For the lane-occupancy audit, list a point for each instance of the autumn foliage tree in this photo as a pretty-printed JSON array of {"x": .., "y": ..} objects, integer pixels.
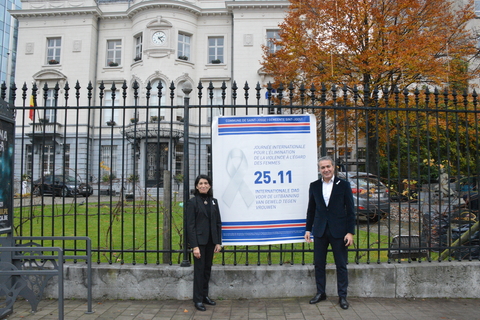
[
  {"x": 375, "y": 42},
  {"x": 426, "y": 131},
  {"x": 365, "y": 45}
]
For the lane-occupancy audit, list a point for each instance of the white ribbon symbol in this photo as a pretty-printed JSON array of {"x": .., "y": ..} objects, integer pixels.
[{"x": 236, "y": 168}]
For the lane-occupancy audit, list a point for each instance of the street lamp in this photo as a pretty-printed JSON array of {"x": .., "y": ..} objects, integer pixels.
[{"x": 187, "y": 88}]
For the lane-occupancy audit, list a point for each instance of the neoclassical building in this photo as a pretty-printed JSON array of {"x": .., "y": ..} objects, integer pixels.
[{"x": 154, "y": 42}]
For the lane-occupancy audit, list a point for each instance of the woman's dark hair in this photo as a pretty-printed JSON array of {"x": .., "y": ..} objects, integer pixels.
[{"x": 197, "y": 180}]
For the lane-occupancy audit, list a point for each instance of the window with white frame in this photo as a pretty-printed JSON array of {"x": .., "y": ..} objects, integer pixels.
[
  {"x": 180, "y": 97},
  {"x": 361, "y": 153},
  {"x": 111, "y": 114},
  {"x": 178, "y": 160},
  {"x": 273, "y": 35},
  {"x": 184, "y": 41},
  {"x": 54, "y": 48},
  {"x": 114, "y": 53},
  {"x": 180, "y": 103},
  {"x": 109, "y": 161},
  {"x": 214, "y": 112},
  {"x": 66, "y": 155},
  {"x": 29, "y": 159},
  {"x": 330, "y": 152},
  {"x": 209, "y": 160},
  {"x": 138, "y": 47},
  {"x": 214, "y": 100},
  {"x": 214, "y": 97},
  {"x": 49, "y": 114},
  {"x": 154, "y": 100},
  {"x": 48, "y": 158},
  {"x": 216, "y": 50},
  {"x": 345, "y": 152},
  {"x": 179, "y": 113}
]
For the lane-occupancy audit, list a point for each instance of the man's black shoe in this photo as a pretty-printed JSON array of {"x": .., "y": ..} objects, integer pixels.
[
  {"x": 199, "y": 306},
  {"x": 209, "y": 301},
  {"x": 343, "y": 303},
  {"x": 318, "y": 297}
]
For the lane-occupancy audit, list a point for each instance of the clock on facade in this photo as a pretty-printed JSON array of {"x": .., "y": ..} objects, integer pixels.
[{"x": 159, "y": 37}]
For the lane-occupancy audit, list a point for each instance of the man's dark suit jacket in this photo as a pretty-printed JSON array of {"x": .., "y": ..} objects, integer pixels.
[
  {"x": 197, "y": 222},
  {"x": 340, "y": 213}
]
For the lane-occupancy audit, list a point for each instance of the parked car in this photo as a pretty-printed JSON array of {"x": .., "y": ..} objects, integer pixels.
[
  {"x": 61, "y": 185},
  {"x": 370, "y": 195}
]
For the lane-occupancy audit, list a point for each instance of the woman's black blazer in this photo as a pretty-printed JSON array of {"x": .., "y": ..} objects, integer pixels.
[{"x": 198, "y": 222}]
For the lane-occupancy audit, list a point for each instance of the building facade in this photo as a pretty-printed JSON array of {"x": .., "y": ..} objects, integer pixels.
[{"x": 145, "y": 42}]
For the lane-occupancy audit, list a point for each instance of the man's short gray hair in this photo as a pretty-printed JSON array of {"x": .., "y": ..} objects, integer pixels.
[{"x": 324, "y": 158}]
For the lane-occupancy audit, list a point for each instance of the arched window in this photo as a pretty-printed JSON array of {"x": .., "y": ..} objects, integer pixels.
[
  {"x": 153, "y": 102},
  {"x": 111, "y": 114}
]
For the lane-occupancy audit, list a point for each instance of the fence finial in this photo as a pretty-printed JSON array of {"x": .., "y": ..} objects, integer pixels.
[{"x": 187, "y": 88}]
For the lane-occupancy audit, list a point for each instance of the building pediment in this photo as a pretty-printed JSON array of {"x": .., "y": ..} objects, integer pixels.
[
  {"x": 49, "y": 74},
  {"x": 163, "y": 5}
]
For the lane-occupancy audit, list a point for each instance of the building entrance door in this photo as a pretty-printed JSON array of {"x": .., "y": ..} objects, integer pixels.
[{"x": 157, "y": 161}]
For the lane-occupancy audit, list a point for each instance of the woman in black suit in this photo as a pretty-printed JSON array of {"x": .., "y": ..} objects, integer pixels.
[{"x": 204, "y": 230}]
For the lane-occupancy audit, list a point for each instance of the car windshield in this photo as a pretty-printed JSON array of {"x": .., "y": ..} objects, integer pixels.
[
  {"x": 366, "y": 182},
  {"x": 59, "y": 178},
  {"x": 70, "y": 180}
]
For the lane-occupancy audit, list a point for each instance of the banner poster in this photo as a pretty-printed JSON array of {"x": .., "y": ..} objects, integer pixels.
[
  {"x": 262, "y": 169},
  {"x": 6, "y": 165}
]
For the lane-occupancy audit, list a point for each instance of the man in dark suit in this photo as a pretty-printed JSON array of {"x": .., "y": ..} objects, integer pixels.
[{"x": 330, "y": 220}]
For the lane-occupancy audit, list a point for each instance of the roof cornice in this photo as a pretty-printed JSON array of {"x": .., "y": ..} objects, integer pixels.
[
  {"x": 52, "y": 12},
  {"x": 259, "y": 4},
  {"x": 128, "y": 14}
]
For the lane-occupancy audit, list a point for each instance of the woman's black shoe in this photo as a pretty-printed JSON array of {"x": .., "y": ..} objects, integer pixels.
[
  {"x": 209, "y": 301},
  {"x": 199, "y": 306}
]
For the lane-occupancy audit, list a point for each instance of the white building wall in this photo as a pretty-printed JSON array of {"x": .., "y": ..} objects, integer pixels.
[{"x": 85, "y": 28}]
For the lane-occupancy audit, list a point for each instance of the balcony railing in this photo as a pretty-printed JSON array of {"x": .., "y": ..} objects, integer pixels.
[{"x": 46, "y": 130}]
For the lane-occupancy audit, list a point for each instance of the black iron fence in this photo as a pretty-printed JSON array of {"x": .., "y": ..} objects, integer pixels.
[{"x": 116, "y": 164}]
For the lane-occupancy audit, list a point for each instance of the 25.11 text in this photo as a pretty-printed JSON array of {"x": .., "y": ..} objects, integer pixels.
[{"x": 264, "y": 177}]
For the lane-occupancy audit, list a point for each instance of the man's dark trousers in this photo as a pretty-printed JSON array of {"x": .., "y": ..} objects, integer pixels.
[{"x": 320, "y": 258}]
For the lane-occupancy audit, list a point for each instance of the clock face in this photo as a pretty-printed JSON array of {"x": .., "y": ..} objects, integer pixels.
[{"x": 159, "y": 37}]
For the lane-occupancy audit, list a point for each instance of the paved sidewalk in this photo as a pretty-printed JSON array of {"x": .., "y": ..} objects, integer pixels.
[{"x": 277, "y": 309}]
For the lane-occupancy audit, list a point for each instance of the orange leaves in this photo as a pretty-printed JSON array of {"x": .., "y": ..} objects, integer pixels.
[{"x": 385, "y": 43}]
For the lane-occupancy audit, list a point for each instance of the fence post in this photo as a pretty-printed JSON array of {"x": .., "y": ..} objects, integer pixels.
[
  {"x": 323, "y": 123},
  {"x": 187, "y": 88},
  {"x": 167, "y": 204},
  {"x": 7, "y": 143}
]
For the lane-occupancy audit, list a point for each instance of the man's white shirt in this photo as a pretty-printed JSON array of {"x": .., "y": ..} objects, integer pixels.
[{"x": 327, "y": 189}]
